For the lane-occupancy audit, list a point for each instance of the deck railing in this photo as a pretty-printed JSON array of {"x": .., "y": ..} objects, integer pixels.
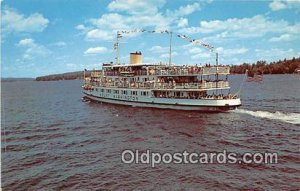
[
  {"x": 162, "y": 86},
  {"x": 194, "y": 70},
  {"x": 213, "y": 70}
]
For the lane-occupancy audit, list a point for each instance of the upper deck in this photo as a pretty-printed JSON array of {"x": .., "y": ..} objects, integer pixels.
[{"x": 163, "y": 70}]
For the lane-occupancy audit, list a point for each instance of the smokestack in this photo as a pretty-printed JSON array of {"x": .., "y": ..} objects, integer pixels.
[{"x": 136, "y": 58}]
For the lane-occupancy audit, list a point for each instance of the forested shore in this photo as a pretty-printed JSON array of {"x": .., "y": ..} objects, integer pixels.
[
  {"x": 64, "y": 76},
  {"x": 262, "y": 67}
]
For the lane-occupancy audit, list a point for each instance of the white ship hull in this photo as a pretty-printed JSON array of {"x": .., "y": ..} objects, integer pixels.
[{"x": 165, "y": 103}]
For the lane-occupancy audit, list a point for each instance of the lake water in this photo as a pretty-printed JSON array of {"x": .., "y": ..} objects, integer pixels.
[{"x": 51, "y": 140}]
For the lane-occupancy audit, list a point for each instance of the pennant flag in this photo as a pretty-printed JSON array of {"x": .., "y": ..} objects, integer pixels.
[
  {"x": 116, "y": 45},
  {"x": 193, "y": 41}
]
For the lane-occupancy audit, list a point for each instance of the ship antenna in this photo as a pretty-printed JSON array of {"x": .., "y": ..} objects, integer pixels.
[
  {"x": 217, "y": 75},
  {"x": 170, "y": 53}
]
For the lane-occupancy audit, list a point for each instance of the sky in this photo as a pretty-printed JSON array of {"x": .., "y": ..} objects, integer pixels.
[{"x": 56, "y": 36}]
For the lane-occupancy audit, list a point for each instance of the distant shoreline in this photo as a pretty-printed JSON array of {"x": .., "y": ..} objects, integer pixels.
[
  {"x": 16, "y": 79},
  {"x": 34, "y": 79},
  {"x": 65, "y": 76}
]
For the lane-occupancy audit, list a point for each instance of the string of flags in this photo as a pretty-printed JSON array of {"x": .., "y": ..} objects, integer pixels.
[
  {"x": 119, "y": 35},
  {"x": 196, "y": 41}
]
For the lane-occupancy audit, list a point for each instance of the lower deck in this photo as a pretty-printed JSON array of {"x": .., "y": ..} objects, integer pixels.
[{"x": 147, "y": 98}]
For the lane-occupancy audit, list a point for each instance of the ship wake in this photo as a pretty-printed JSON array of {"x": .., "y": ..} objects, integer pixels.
[{"x": 293, "y": 118}]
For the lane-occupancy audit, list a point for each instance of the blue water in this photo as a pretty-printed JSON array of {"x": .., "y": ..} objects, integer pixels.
[{"x": 51, "y": 140}]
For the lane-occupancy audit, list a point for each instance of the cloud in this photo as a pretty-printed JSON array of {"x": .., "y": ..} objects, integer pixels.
[
  {"x": 112, "y": 21},
  {"x": 277, "y": 5},
  {"x": 83, "y": 29},
  {"x": 281, "y": 38},
  {"x": 80, "y": 27},
  {"x": 275, "y": 54},
  {"x": 96, "y": 50},
  {"x": 201, "y": 53},
  {"x": 115, "y": 21},
  {"x": 183, "y": 22},
  {"x": 12, "y": 21},
  {"x": 26, "y": 42},
  {"x": 138, "y": 14},
  {"x": 230, "y": 52},
  {"x": 167, "y": 55},
  {"x": 184, "y": 10},
  {"x": 239, "y": 26},
  {"x": 256, "y": 26},
  {"x": 32, "y": 49},
  {"x": 195, "y": 52},
  {"x": 106, "y": 27},
  {"x": 97, "y": 34},
  {"x": 135, "y": 7},
  {"x": 159, "y": 49}
]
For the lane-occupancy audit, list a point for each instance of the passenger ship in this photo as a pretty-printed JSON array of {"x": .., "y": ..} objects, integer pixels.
[{"x": 165, "y": 86}]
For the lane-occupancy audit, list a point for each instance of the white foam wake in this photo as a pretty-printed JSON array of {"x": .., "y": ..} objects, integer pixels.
[{"x": 293, "y": 118}]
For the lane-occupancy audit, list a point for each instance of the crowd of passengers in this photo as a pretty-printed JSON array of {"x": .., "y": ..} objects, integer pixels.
[
  {"x": 169, "y": 85},
  {"x": 194, "y": 96},
  {"x": 163, "y": 82},
  {"x": 157, "y": 70}
]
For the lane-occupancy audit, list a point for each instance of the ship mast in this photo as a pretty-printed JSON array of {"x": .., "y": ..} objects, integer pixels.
[
  {"x": 217, "y": 75},
  {"x": 116, "y": 47},
  {"x": 193, "y": 41},
  {"x": 118, "y": 51},
  {"x": 170, "y": 53}
]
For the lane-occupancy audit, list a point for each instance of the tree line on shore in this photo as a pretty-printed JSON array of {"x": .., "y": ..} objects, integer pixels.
[
  {"x": 64, "y": 76},
  {"x": 262, "y": 67}
]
